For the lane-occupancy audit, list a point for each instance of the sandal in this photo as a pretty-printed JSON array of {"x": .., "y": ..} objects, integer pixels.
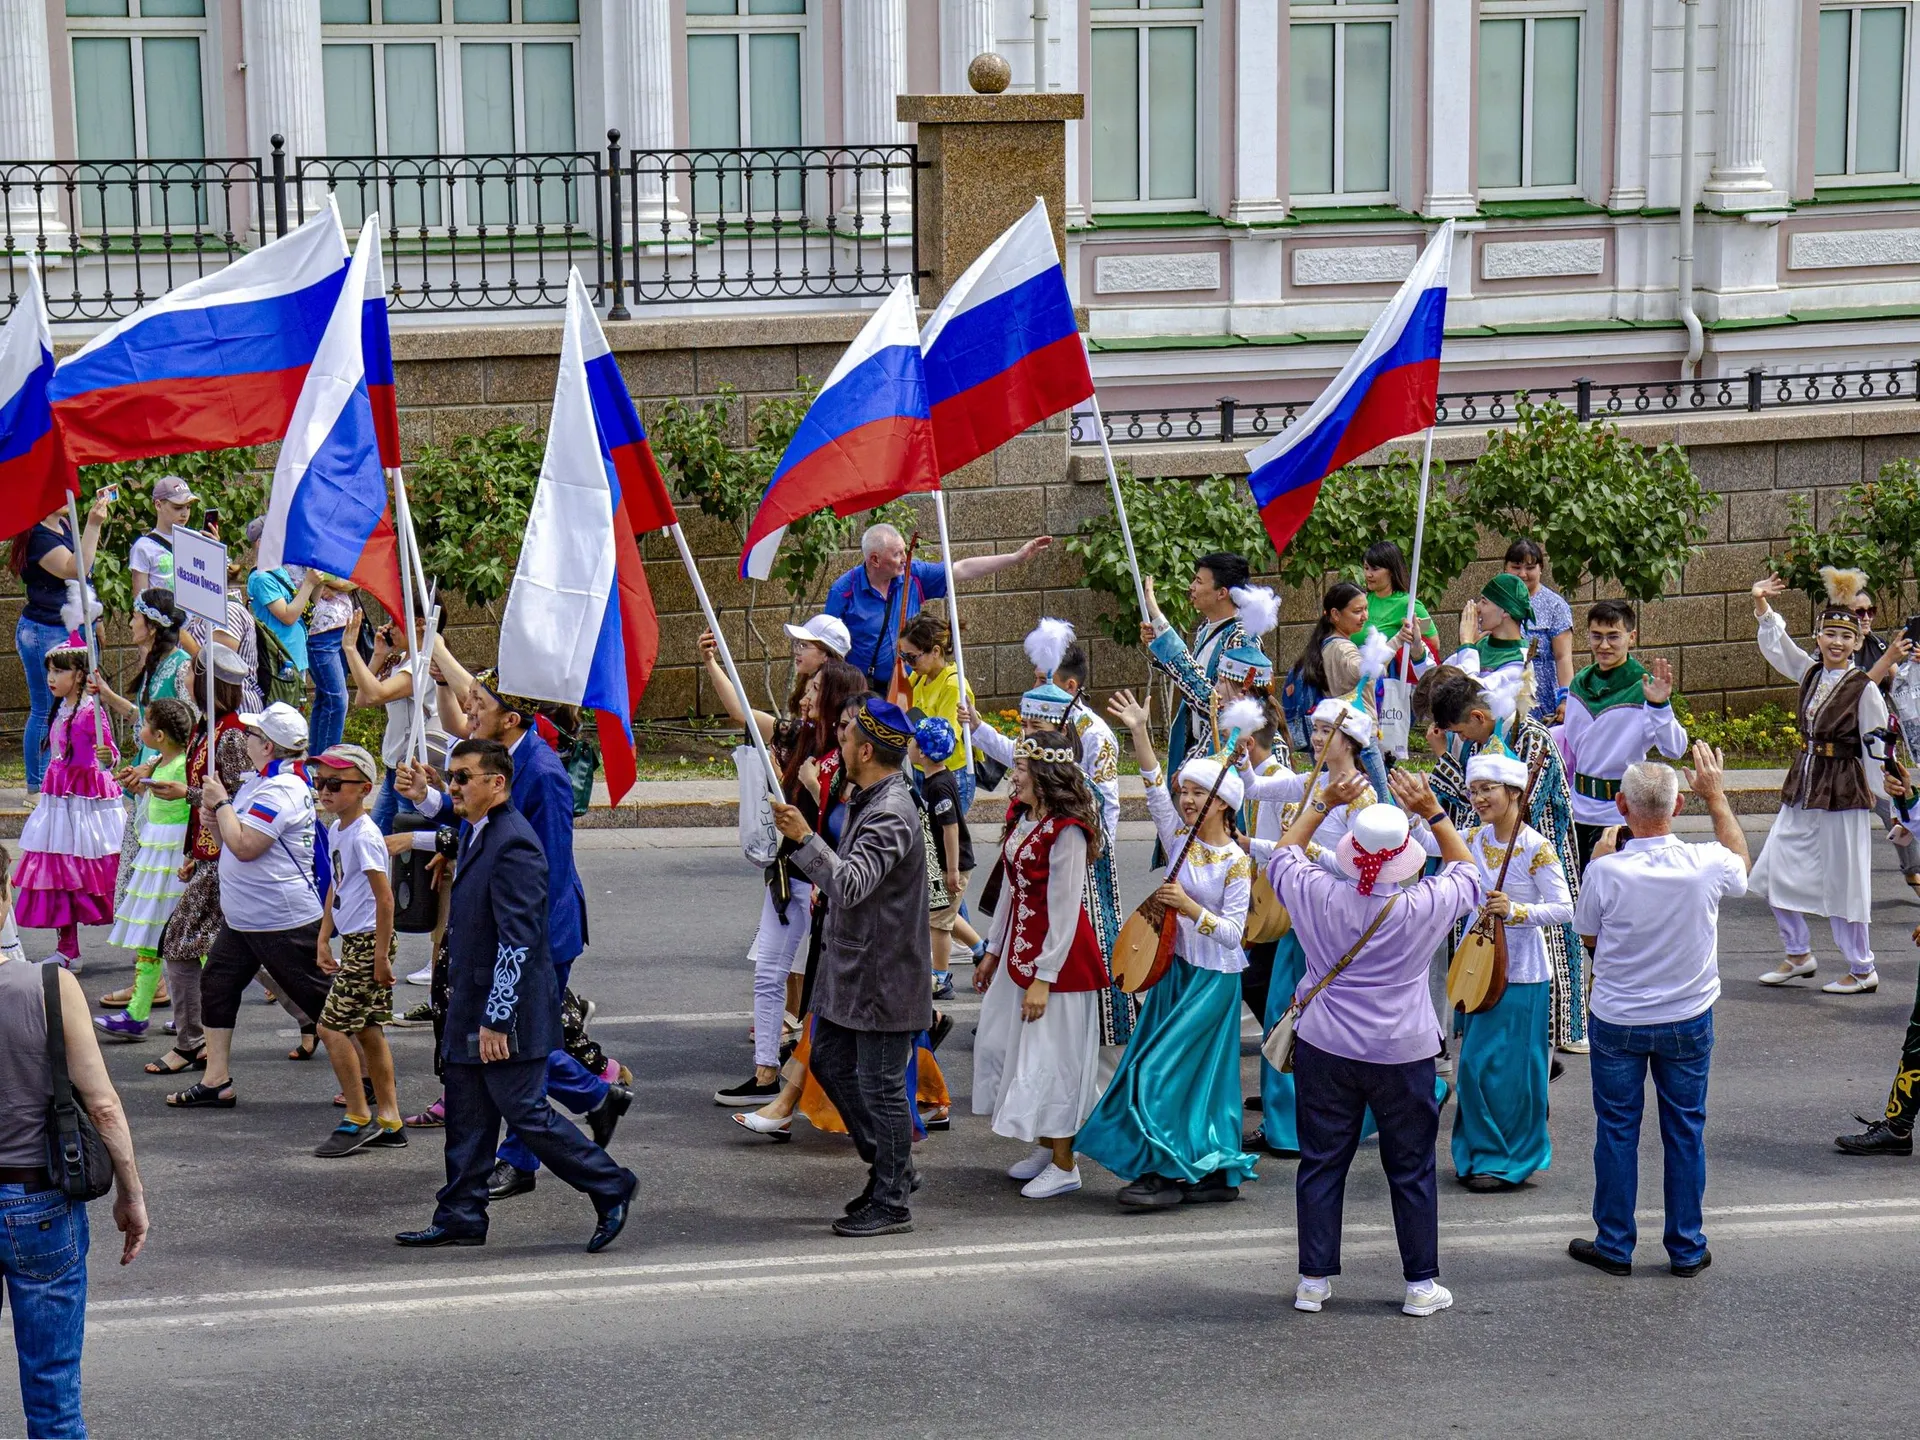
[
  {"x": 188, "y": 1060},
  {"x": 434, "y": 1117},
  {"x": 309, "y": 1042},
  {"x": 201, "y": 1095}
]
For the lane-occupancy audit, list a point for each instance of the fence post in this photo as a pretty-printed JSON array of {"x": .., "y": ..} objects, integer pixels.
[
  {"x": 1754, "y": 377},
  {"x": 1227, "y": 405},
  {"x": 617, "y": 310},
  {"x": 280, "y": 186},
  {"x": 1583, "y": 399}
]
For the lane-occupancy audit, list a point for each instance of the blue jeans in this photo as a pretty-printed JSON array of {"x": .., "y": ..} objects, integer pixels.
[
  {"x": 389, "y": 802},
  {"x": 1679, "y": 1056},
  {"x": 329, "y": 669},
  {"x": 32, "y": 640},
  {"x": 43, "y": 1257}
]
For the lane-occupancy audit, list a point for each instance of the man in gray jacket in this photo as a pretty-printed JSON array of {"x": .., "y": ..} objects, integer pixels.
[{"x": 873, "y": 994}]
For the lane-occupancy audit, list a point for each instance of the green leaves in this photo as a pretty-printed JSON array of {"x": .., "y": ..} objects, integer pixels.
[
  {"x": 1359, "y": 505},
  {"x": 1809, "y": 547},
  {"x": 224, "y": 479},
  {"x": 470, "y": 502}
]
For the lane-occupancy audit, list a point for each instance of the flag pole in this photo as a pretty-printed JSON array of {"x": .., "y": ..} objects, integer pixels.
[
  {"x": 726, "y": 661},
  {"x": 953, "y": 617},
  {"x": 85, "y": 572},
  {"x": 417, "y": 729},
  {"x": 1120, "y": 509},
  {"x": 1419, "y": 532}
]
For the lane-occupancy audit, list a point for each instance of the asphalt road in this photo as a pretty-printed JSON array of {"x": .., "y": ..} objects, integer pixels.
[{"x": 271, "y": 1299}]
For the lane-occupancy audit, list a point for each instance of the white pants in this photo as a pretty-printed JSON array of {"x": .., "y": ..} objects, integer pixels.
[
  {"x": 778, "y": 950},
  {"x": 1849, "y": 937}
]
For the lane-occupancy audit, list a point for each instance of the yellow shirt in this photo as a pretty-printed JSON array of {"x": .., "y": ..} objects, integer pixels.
[{"x": 940, "y": 695}]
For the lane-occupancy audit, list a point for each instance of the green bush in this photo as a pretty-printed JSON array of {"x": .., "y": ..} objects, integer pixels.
[
  {"x": 1769, "y": 735},
  {"x": 1811, "y": 547},
  {"x": 470, "y": 502},
  {"x": 1361, "y": 504},
  {"x": 227, "y": 480}
]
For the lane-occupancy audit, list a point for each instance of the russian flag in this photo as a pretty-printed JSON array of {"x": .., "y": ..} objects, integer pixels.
[
  {"x": 580, "y": 626},
  {"x": 1389, "y": 387},
  {"x": 35, "y": 477},
  {"x": 376, "y": 344},
  {"x": 329, "y": 504},
  {"x": 217, "y": 362},
  {"x": 866, "y": 439},
  {"x": 1002, "y": 350}
]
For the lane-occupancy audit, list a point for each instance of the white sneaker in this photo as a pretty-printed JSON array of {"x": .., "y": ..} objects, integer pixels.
[
  {"x": 1026, "y": 1169},
  {"x": 1426, "y": 1298},
  {"x": 1052, "y": 1181},
  {"x": 1854, "y": 984},
  {"x": 422, "y": 976},
  {"x": 1787, "y": 970},
  {"x": 1310, "y": 1294}
]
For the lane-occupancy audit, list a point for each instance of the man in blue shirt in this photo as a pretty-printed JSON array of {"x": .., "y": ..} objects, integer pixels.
[{"x": 867, "y": 598}]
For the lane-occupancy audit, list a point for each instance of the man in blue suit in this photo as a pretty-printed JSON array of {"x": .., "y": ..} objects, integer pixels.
[
  {"x": 543, "y": 794},
  {"x": 503, "y": 1015}
]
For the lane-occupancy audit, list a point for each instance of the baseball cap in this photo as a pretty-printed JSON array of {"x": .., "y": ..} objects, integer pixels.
[
  {"x": 173, "y": 490},
  {"x": 350, "y": 757},
  {"x": 827, "y": 630},
  {"x": 280, "y": 723},
  {"x": 255, "y": 528}
]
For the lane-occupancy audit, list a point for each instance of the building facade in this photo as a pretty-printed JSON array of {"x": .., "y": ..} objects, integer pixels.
[{"x": 1252, "y": 179}]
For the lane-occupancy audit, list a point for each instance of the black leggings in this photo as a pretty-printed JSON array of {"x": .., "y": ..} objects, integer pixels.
[{"x": 238, "y": 955}]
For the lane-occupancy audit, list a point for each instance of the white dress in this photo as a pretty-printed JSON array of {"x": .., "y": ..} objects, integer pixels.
[
  {"x": 1819, "y": 862},
  {"x": 1219, "y": 877},
  {"x": 1536, "y": 885},
  {"x": 1039, "y": 1078}
]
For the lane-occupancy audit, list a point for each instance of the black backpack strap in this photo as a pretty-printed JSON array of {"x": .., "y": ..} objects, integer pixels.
[{"x": 56, "y": 1040}]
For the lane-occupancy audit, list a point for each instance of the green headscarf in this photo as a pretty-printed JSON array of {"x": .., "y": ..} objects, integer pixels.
[{"x": 1509, "y": 592}]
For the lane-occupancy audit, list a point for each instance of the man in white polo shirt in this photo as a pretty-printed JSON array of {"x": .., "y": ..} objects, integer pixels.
[{"x": 1650, "y": 914}]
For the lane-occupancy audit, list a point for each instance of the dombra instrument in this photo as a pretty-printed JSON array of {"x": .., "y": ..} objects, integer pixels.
[
  {"x": 1143, "y": 951},
  {"x": 1477, "y": 975}
]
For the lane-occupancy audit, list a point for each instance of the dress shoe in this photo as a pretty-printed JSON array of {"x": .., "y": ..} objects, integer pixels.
[
  {"x": 437, "y": 1235},
  {"x": 1209, "y": 1188},
  {"x": 509, "y": 1180},
  {"x": 613, "y": 1219},
  {"x": 1879, "y": 1138},
  {"x": 1687, "y": 1272},
  {"x": 1587, "y": 1253},
  {"x": 1790, "y": 969},
  {"x": 1150, "y": 1192},
  {"x": 1486, "y": 1184},
  {"x": 1853, "y": 984},
  {"x": 873, "y": 1221},
  {"x": 606, "y": 1115}
]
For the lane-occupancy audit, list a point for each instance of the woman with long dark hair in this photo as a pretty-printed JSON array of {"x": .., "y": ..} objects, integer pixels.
[
  {"x": 1384, "y": 570},
  {"x": 1330, "y": 668},
  {"x": 44, "y": 558}
]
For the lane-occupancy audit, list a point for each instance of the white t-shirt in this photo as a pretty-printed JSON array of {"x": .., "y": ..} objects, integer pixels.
[
  {"x": 1655, "y": 904},
  {"x": 274, "y": 891},
  {"x": 356, "y": 850},
  {"x": 153, "y": 557}
]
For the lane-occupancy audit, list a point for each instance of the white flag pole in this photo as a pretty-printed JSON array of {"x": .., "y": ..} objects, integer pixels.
[
  {"x": 417, "y": 730},
  {"x": 1120, "y": 509},
  {"x": 726, "y": 660},
  {"x": 85, "y": 572},
  {"x": 1419, "y": 532},
  {"x": 953, "y": 617}
]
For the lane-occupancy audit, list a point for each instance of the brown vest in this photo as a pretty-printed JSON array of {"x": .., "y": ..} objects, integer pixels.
[{"x": 1828, "y": 774}]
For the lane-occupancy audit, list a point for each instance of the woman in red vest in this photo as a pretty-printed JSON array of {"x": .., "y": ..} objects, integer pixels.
[{"x": 1037, "y": 1054}]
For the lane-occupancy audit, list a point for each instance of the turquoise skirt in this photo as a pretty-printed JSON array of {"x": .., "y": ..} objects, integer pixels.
[
  {"x": 1500, "y": 1128},
  {"x": 1173, "y": 1107}
]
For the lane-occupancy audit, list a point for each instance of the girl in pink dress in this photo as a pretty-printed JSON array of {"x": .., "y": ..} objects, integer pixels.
[{"x": 70, "y": 845}]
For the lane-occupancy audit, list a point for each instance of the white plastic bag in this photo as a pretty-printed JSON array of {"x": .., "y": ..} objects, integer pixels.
[
  {"x": 759, "y": 840},
  {"x": 1396, "y": 715}
]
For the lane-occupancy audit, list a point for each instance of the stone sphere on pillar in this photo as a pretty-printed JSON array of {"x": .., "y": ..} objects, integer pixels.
[{"x": 989, "y": 74}]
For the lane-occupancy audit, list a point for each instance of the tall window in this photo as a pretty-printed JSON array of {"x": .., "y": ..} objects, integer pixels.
[
  {"x": 1529, "y": 100},
  {"x": 1340, "y": 100},
  {"x": 1146, "y": 103},
  {"x": 744, "y": 68},
  {"x": 138, "y": 91},
  {"x": 1860, "y": 104}
]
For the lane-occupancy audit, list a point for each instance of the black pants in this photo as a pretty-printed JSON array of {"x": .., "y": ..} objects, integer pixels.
[
  {"x": 1904, "y": 1101},
  {"x": 1331, "y": 1094},
  {"x": 478, "y": 1098},
  {"x": 1585, "y": 837},
  {"x": 237, "y": 956},
  {"x": 1257, "y": 979},
  {"x": 864, "y": 1073}
]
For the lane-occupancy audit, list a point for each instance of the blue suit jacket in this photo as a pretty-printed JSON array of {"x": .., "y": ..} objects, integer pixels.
[
  {"x": 498, "y": 973},
  {"x": 543, "y": 794}
]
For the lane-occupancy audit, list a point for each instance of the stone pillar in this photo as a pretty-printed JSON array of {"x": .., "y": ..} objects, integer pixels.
[
  {"x": 966, "y": 30},
  {"x": 1259, "y": 102},
  {"x": 1633, "y": 82},
  {"x": 285, "y": 91},
  {"x": 987, "y": 156},
  {"x": 874, "y": 72},
  {"x": 640, "y": 53},
  {"x": 1449, "y": 188},
  {"x": 1739, "y": 179},
  {"x": 26, "y": 122}
]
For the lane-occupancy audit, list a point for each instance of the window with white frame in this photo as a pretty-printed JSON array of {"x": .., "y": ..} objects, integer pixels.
[
  {"x": 139, "y": 87},
  {"x": 1529, "y": 99},
  {"x": 1340, "y": 100},
  {"x": 1860, "y": 104},
  {"x": 476, "y": 78},
  {"x": 745, "y": 90},
  {"x": 1145, "y": 103}
]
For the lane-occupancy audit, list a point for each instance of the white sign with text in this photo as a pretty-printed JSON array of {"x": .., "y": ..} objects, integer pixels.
[{"x": 200, "y": 574}]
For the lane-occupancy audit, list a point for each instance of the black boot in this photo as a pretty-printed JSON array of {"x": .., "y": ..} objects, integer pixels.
[{"x": 1879, "y": 1138}]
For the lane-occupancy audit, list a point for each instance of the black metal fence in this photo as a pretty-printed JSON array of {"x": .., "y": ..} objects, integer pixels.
[
  {"x": 1229, "y": 420},
  {"x": 492, "y": 232}
]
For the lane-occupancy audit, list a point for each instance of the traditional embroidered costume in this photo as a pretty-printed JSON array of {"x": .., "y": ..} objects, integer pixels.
[
  {"x": 1610, "y": 725},
  {"x": 1193, "y": 669}
]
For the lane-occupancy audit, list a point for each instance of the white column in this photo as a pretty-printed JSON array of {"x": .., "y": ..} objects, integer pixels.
[
  {"x": 1633, "y": 81},
  {"x": 1256, "y": 113},
  {"x": 874, "y": 71},
  {"x": 1449, "y": 177},
  {"x": 639, "y": 60},
  {"x": 966, "y": 30},
  {"x": 1739, "y": 178},
  {"x": 285, "y": 91},
  {"x": 26, "y": 118}
]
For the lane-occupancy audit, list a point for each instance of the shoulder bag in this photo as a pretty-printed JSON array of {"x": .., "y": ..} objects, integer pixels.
[
  {"x": 77, "y": 1157},
  {"x": 1278, "y": 1048}
]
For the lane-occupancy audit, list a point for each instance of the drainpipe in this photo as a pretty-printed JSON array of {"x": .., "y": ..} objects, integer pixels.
[
  {"x": 1039, "y": 47},
  {"x": 1689, "y": 367}
]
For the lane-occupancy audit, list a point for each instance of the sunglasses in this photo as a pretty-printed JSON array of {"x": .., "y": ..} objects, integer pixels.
[
  {"x": 1863, "y": 609},
  {"x": 332, "y": 787},
  {"x": 462, "y": 777}
]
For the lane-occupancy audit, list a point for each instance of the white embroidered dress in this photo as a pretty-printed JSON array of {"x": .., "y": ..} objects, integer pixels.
[{"x": 1536, "y": 885}]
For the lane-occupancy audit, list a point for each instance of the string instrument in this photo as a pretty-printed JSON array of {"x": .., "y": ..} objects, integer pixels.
[
  {"x": 1477, "y": 975},
  {"x": 900, "y": 684},
  {"x": 1143, "y": 951},
  {"x": 1267, "y": 918}
]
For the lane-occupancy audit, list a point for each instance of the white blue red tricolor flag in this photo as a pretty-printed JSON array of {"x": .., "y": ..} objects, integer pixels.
[
  {"x": 1389, "y": 387},
  {"x": 580, "y": 626},
  {"x": 219, "y": 361},
  {"x": 376, "y": 345},
  {"x": 34, "y": 475},
  {"x": 866, "y": 439},
  {"x": 329, "y": 506},
  {"x": 1003, "y": 351}
]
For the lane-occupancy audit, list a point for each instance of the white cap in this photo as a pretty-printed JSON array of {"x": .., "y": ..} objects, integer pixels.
[
  {"x": 280, "y": 723},
  {"x": 826, "y": 630}
]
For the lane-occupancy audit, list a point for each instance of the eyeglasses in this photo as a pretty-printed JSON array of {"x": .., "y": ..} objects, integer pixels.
[
  {"x": 1863, "y": 609},
  {"x": 466, "y": 777},
  {"x": 910, "y": 657},
  {"x": 332, "y": 787}
]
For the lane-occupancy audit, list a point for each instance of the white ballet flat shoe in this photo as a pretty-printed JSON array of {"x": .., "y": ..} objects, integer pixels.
[
  {"x": 1033, "y": 1165},
  {"x": 1786, "y": 970},
  {"x": 1854, "y": 984}
]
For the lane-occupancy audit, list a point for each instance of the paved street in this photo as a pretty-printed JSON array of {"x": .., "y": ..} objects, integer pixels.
[{"x": 271, "y": 1299}]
